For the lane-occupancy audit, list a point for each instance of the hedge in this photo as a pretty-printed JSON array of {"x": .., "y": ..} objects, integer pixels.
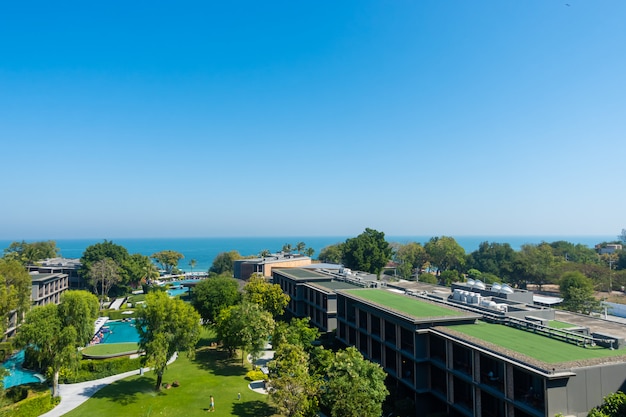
[
  {"x": 99, "y": 368},
  {"x": 38, "y": 402}
]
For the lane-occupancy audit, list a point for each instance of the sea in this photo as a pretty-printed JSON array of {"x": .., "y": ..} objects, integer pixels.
[{"x": 204, "y": 250}]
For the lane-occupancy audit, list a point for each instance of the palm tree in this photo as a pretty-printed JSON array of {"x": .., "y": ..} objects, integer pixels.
[
  {"x": 300, "y": 247},
  {"x": 264, "y": 253},
  {"x": 287, "y": 248},
  {"x": 192, "y": 264},
  {"x": 309, "y": 252}
]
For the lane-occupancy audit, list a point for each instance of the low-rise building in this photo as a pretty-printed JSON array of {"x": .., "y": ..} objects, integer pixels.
[
  {"x": 69, "y": 266},
  {"x": 469, "y": 353},
  {"x": 47, "y": 288},
  {"x": 244, "y": 268}
]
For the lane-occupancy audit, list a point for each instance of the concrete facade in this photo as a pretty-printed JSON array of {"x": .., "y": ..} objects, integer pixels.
[
  {"x": 47, "y": 288},
  {"x": 244, "y": 268},
  {"x": 440, "y": 369}
]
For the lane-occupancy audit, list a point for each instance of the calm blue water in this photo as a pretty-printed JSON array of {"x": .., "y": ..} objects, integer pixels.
[
  {"x": 121, "y": 332},
  {"x": 204, "y": 250},
  {"x": 17, "y": 375}
]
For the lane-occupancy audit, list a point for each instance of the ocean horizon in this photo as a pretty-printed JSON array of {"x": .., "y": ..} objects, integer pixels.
[{"x": 204, "y": 250}]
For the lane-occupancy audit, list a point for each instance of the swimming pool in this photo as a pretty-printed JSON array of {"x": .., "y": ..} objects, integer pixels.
[
  {"x": 175, "y": 290},
  {"x": 119, "y": 332},
  {"x": 17, "y": 375}
]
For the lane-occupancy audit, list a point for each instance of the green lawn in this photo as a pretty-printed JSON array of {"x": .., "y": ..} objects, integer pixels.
[
  {"x": 104, "y": 349},
  {"x": 407, "y": 305},
  {"x": 211, "y": 373},
  {"x": 533, "y": 345},
  {"x": 555, "y": 324}
]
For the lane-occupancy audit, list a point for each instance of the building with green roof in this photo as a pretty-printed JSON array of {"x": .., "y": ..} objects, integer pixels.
[{"x": 453, "y": 358}]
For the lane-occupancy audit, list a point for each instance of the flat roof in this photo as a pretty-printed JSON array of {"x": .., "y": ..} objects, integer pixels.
[
  {"x": 406, "y": 305},
  {"x": 36, "y": 277},
  {"x": 336, "y": 285},
  {"x": 300, "y": 273},
  {"x": 514, "y": 342}
]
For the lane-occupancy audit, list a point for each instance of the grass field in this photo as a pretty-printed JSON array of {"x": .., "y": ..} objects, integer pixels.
[
  {"x": 407, "y": 305},
  {"x": 555, "y": 324},
  {"x": 110, "y": 349},
  {"x": 212, "y": 372},
  {"x": 533, "y": 345}
]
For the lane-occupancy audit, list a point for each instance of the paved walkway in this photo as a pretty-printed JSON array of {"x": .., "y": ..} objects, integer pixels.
[
  {"x": 73, "y": 395},
  {"x": 266, "y": 356}
]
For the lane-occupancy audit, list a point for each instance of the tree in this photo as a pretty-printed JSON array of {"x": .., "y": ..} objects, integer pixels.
[
  {"x": 270, "y": 297},
  {"x": 29, "y": 253},
  {"x": 367, "y": 252},
  {"x": 445, "y": 253},
  {"x": 106, "y": 249},
  {"x": 224, "y": 261},
  {"x": 614, "y": 405},
  {"x": 410, "y": 257},
  {"x": 493, "y": 258},
  {"x": 264, "y": 253},
  {"x": 79, "y": 309},
  {"x": 577, "y": 292},
  {"x": 309, "y": 252},
  {"x": 573, "y": 253},
  {"x": 355, "y": 387},
  {"x": 300, "y": 246},
  {"x": 622, "y": 236},
  {"x": 15, "y": 291},
  {"x": 193, "y": 264},
  {"x": 140, "y": 270},
  {"x": 287, "y": 248},
  {"x": 448, "y": 277},
  {"x": 53, "y": 333},
  {"x": 104, "y": 274},
  {"x": 244, "y": 326},
  {"x": 292, "y": 389},
  {"x": 214, "y": 294},
  {"x": 165, "y": 326},
  {"x": 332, "y": 254},
  {"x": 296, "y": 332},
  {"x": 536, "y": 264},
  {"x": 168, "y": 259}
]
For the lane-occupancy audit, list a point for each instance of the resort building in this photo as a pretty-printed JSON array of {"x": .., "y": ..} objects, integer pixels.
[
  {"x": 47, "y": 288},
  {"x": 69, "y": 266},
  {"x": 468, "y": 351},
  {"x": 313, "y": 294},
  {"x": 244, "y": 268}
]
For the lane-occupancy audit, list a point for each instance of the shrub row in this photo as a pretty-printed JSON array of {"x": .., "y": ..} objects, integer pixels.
[
  {"x": 99, "y": 368},
  {"x": 38, "y": 401},
  {"x": 117, "y": 314}
]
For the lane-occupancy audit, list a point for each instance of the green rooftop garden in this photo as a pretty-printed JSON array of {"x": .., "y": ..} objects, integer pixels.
[
  {"x": 542, "y": 348},
  {"x": 555, "y": 324},
  {"x": 407, "y": 305}
]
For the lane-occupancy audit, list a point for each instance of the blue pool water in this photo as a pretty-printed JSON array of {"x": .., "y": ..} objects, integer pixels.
[
  {"x": 120, "y": 332},
  {"x": 175, "y": 290},
  {"x": 17, "y": 375}
]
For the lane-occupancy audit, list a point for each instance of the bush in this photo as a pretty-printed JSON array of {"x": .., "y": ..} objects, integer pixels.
[
  {"x": 38, "y": 401},
  {"x": 256, "y": 375},
  {"x": 116, "y": 314},
  {"x": 6, "y": 349},
  {"x": 91, "y": 369}
]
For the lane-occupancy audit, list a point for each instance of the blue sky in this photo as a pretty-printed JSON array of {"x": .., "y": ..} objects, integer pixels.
[{"x": 198, "y": 118}]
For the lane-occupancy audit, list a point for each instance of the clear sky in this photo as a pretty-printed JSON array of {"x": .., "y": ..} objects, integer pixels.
[{"x": 230, "y": 118}]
